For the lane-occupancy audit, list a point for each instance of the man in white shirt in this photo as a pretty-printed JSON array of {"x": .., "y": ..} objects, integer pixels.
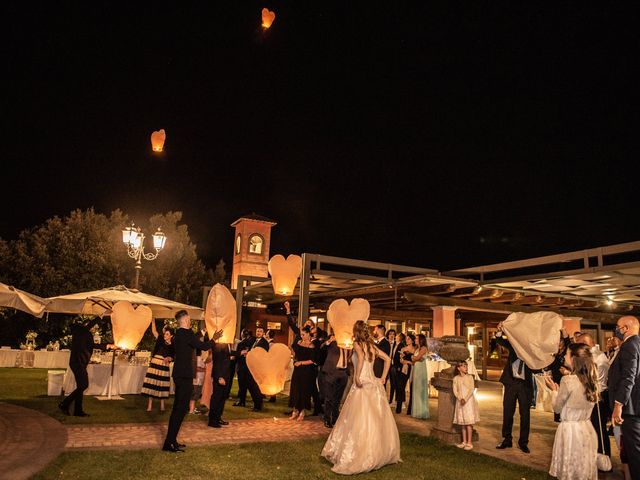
[{"x": 600, "y": 422}]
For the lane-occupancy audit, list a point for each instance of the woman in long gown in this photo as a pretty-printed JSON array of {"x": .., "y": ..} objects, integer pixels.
[
  {"x": 420, "y": 382},
  {"x": 303, "y": 379},
  {"x": 365, "y": 436},
  {"x": 404, "y": 375},
  {"x": 575, "y": 447},
  {"x": 157, "y": 380}
]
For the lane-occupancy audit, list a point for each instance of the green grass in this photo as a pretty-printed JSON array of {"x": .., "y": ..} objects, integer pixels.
[
  {"x": 423, "y": 458},
  {"x": 28, "y": 387}
]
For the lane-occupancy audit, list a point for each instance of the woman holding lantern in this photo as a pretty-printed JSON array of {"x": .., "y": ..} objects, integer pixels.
[
  {"x": 157, "y": 379},
  {"x": 303, "y": 379},
  {"x": 365, "y": 437}
]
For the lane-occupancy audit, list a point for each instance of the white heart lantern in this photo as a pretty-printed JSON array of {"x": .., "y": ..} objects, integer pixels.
[
  {"x": 343, "y": 316},
  {"x": 221, "y": 314},
  {"x": 285, "y": 273},
  {"x": 269, "y": 369},
  {"x": 129, "y": 324}
]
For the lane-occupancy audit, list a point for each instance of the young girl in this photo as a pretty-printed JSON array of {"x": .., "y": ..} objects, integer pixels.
[
  {"x": 466, "y": 413},
  {"x": 575, "y": 447}
]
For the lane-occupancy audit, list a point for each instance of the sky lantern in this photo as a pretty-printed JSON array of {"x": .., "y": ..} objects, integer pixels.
[
  {"x": 129, "y": 324},
  {"x": 221, "y": 314},
  {"x": 285, "y": 273},
  {"x": 267, "y": 18},
  {"x": 343, "y": 316},
  {"x": 157, "y": 140},
  {"x": 269, "y": 369}
]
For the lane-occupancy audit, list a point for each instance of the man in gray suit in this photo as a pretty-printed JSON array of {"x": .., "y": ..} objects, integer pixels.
[{"x": 624, "y": 390}]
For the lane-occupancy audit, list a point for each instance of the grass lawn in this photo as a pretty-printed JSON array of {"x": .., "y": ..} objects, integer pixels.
[
  {"x": 423, "y": 458},
  {"x": 28, "y": 387}
]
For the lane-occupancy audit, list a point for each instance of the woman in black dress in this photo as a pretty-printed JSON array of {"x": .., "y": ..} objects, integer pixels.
[
  {"x": 158, "y": 377},
  {"x": 303, "y": 380},
  {"x": 404, "y": 374}
]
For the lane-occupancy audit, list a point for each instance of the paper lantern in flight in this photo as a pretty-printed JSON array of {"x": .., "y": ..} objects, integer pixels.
[
  {"x": 285, "y": 273},
  {"x": 129, "y": 324},
  {"x": 343, "y": 316},
  {"x": 269, "y": 369},
  {"x": 534, "y": 336},
  {"x": 267, "y": 18},
  {"x": 157, "y": 140},
  {"x": 221, "y": 314}
]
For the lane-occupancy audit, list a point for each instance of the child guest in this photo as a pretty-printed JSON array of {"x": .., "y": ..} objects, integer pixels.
[{"x": 466, "y": 413}]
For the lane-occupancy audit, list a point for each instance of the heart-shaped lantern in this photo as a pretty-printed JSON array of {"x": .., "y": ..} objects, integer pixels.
[
  {"x": 534, "y": 336},
  {"x": 343, "y": 316},
  {"x": 129, "y": 324},
  {"x": 221, "y": 313},
  {"x": 267, "y": 18},
  {"x": 269, "y": 369},
  {"x": 285, "y": 273},
  {"x": 157, "y": 140}
]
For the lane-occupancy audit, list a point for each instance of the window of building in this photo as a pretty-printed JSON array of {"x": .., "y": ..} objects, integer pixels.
[
  {"x": 255, "y": 244},
  {"x": 238, "y": 244}
]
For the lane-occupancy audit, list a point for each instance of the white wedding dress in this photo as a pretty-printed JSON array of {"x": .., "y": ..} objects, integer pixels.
[{"x": 365, "y": 437}]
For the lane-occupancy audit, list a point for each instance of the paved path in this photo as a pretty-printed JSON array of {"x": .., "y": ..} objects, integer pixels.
[{"x": 28, "y": 441}]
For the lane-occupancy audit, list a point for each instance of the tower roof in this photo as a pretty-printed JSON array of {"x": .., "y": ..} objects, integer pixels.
[{"x": 255, "y": 217}]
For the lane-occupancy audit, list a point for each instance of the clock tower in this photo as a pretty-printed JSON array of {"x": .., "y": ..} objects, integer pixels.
[{"x": 251, "y": 247}]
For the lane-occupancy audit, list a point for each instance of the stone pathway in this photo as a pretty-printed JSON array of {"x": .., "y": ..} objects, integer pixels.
[{"x": 28, "y": 441}]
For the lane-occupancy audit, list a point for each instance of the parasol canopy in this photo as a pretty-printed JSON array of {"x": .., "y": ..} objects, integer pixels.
[
  {"x": 11, "y": 297},
  {"x": 98, "y": 302}
]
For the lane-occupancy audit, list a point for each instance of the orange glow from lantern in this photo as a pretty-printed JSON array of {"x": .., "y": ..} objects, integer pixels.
[
  {"x": 221, "y": 314},
  {"x": 285, "y": 273},
  {"x": 157, "y": 140},
  {"x": 267, "y": 18},
  {"x": 129, "y": 324},
  {"x": 269, "y": 369},
  {"x": 343, "y": 316}
]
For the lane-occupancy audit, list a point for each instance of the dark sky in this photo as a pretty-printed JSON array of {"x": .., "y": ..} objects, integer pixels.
[{"x": 436, "y": 135}]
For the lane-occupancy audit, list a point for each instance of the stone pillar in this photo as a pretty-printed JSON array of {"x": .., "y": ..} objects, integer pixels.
[{"x": 444, "y": 321}]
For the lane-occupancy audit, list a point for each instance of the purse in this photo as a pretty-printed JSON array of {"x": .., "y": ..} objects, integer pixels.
[{"x": 603, "y": 462}]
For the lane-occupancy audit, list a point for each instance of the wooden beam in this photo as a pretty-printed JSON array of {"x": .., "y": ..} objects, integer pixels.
[{"x": 401, "y": 314}]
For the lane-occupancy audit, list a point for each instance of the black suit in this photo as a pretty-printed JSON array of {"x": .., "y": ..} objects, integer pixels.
[
  {"x": 334, "y": 380},
  {"x": 624, "y": 388},
  {"x": 220, "y": 370},
  {"x": 515, "y": 390},
  {"x": 184, "y": 371},
  {"x": 243, "y": 371},
  {"x": 378, "y": 363},
  {"x": 81, "y": 351},
  {"x": 254, "y": 389},
  {"x": 394, "y": 353}
]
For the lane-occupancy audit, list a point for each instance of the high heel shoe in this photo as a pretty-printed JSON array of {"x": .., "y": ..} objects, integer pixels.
[
  {"x": 301, "y": 416},
  {"x": 294, "y": 415}
]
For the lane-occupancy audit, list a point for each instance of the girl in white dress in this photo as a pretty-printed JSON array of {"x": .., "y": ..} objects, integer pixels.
[
  {"x": 365, "y": 436},
  {"x": 466, "y": 414},
  {"x": 575, "y": 448}
]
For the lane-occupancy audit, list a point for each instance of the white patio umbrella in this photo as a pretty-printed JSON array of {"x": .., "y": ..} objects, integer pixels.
[
  {"x": 11, "y": 297},
  {"x": 98, "y": 302}
]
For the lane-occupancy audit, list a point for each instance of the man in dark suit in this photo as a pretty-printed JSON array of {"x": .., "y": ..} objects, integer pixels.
[
  {"x": 184, "y": 371},
  {"x": 518, "y": 387},
  {"x": 383, "y": 344},
  {"x": 254, "y": 389},
  {"x": 81, "y": 350},
  {"x": 219, "y": 379},
  {"x": 624, "y": 390},
  {"x": 394, "y": 354},
  {"x": 241, "y": 365},
  {"x": 334, "y": 379}
]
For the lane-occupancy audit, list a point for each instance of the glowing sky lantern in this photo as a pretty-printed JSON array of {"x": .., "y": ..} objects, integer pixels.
[
  {"x": 157, "y": 140},
  {"x": 269, "y": 369},
  {"x": 267, "y": 18},
  {"x": 129, "y": 324},
  {"x": 221, "y": 314},
  {"x": 343, "y": 316},
  {"x": 285, "y": 273}
]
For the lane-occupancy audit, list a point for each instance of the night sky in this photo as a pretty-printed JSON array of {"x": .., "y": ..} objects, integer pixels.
[{"x": 437, "y": 135}]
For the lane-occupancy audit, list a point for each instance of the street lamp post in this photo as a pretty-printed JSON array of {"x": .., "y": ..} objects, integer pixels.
[{"x": 133, "y": 238}]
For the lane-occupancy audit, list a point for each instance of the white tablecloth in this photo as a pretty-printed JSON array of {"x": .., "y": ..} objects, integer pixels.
[
  {"x": 41, "y": 358},
  {"x": 127, "y": 379}
]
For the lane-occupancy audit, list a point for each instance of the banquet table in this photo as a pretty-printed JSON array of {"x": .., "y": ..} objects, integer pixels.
[
  {"x": 34, "y": 358},
  {"x": 127, "y": 379}
]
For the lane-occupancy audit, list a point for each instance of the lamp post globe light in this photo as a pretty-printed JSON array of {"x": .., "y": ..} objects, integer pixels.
[{"x": 133, "y": 238}]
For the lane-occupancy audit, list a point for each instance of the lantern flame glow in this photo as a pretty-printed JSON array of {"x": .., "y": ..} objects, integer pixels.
[
  {"x": 221, "y": 314},
  {"x": 269, "y": 369},
  {"x": 267, "y": 18},
  {"x": 343, "y": 316},
  {"x": 157, "y": 140},
  {"x": 129, "y": 324}
]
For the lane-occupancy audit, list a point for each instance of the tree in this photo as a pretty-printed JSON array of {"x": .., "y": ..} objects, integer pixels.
[{"x": 220, "y": 274}]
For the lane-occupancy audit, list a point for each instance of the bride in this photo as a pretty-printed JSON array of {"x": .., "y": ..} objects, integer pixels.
[{"x": 365, "y": 436}]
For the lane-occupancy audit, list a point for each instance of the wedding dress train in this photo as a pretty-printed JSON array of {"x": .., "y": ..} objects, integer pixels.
[{"x": 365, "y": 437}]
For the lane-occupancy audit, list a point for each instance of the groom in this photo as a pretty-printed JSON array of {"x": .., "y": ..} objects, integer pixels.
[{"x": 383, "y": 344}]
